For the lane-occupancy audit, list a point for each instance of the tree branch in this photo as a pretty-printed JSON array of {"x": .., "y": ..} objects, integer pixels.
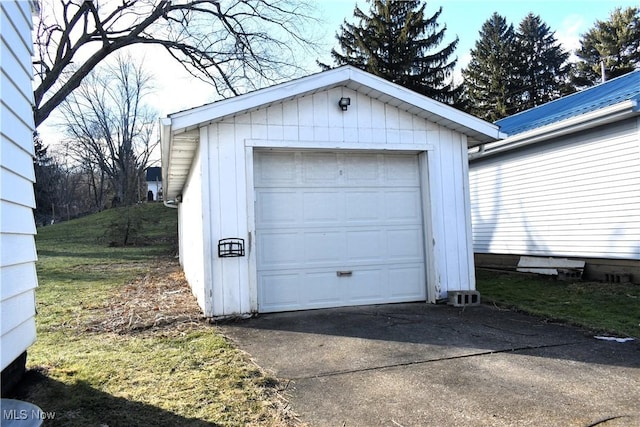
[{"x": 234, "y": 45}]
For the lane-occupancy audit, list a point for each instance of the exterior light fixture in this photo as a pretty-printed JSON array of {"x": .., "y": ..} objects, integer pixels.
[{"x": 344, "y": 103}]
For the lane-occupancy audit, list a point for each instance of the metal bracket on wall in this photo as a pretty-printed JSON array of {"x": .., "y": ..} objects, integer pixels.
[{"x": 230, "y": 247}]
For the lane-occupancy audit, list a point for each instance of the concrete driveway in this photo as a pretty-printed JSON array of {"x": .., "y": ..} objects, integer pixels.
[{"x": 425, "y": 365}]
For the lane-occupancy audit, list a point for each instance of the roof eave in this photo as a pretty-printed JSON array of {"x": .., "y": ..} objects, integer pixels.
[
  {"x": 165, "y": 149},
  {"x": 574, "y": 124},
  {"x": 474, "y": 127}
]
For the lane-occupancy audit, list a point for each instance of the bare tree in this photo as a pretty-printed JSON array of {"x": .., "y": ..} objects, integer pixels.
[
  {"x": 110, "y": 127},
  {"x": 65, "y": 195},
  {"x": 94, "y": 184},
  {"x": 237, "y": 45}
]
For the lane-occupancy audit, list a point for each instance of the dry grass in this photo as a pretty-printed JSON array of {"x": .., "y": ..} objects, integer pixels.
[{"x": 161, "y": 299}]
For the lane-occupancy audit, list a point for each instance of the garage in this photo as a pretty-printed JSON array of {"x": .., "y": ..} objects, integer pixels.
[
  {"x": 335, "y": 189},
  {"x": 337, "y": 229}
]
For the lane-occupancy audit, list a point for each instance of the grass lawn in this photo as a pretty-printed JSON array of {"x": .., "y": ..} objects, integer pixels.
[
  {"x": 121, "y": 340},
  {"x": 600, "y": 307}
]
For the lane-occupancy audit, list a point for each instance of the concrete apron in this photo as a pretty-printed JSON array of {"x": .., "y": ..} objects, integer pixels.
[{"x": 418, "y": 365}]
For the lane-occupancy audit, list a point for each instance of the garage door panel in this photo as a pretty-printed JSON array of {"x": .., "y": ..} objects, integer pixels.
[
  {"x": 404, "y": 244},
  {"x": 403, "y": 205},
  {"x": 359, "y": 289},
  {"x": 279, "y": 291},
  {"x": 322, "y": 206},
  {"x": 363, "y": 206},
  {"x": 321, "y": 289},
  {"x": 279, "y": 249},
  {"x": 364, "y": 245},
  {"x": 362, "y": 170},
  {"x": 277, "y": 207},
  {"x": 404, "y": 280},
  {"x": 320, "y": 168},
  {"x": 276, "y": 168},
  {"x": 321, "y": 247},
  {"x": 401, "y": 170},
  {"x": 344, "y": 212}
]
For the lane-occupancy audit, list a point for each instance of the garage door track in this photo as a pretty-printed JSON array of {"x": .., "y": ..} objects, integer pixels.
[{"x": 418, "y": 365}]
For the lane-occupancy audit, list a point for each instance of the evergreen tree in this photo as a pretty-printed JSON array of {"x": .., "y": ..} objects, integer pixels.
[
  {"x": 541, "y": 68},
  {"x": 488, "y": 79},
  {"x": 614, "y": 43},
  {"x": 47, "y": 177},
  {"x": 398, "y": 42}
]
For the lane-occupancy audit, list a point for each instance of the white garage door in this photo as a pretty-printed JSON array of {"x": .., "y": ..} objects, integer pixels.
[{"x": 337, "y": 229}]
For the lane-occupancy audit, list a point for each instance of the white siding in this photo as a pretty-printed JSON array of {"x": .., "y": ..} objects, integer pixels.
[
  {"x": 191, "y": 235},
  {"x": 576, "y": 196},
  {"x": 228, "y": 211},
  {"x": 448, "y": 175},
  {"x": 317, "y": 120},
  {"x": 17, "y": 228}
]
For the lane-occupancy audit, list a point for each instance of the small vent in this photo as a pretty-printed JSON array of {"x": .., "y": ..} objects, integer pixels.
[
  {"x": 617, "y": 277},
  {"x": 569, "y": 274}
]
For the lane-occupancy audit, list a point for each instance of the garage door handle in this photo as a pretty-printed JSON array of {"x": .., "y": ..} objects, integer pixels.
[{"x": 344, "y": 273}]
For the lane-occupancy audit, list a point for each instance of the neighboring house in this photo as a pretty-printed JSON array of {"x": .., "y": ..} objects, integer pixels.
[
  {"x": 17, "y": 229},
  {"x": 154, "y": 183},
  {"x": 337, "y": 189},
  {"x": 565, "y": 183}
]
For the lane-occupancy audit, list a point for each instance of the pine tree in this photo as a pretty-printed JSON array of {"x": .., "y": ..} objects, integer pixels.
[
  {"x": 541, "y": 68},
  {"x": 614, "y": 44},
  {"x": 47, "y": 177},
  {"x": 396, "y": 41},
  {"x": 488, "y": 79}
]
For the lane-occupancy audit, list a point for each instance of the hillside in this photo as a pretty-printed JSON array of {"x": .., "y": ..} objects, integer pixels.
[{"x": 101, "y": 233}]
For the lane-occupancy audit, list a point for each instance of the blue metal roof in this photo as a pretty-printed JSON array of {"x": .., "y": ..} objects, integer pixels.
[{"x": 620, "y": 89}]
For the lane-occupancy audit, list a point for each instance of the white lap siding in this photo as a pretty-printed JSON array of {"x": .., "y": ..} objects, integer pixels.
[
  {"x": 17, "y": 247},
  {"x": 574, "y": 196}
]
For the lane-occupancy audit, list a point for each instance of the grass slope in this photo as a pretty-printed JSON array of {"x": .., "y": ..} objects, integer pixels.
[{"x": 122, "y": 342}]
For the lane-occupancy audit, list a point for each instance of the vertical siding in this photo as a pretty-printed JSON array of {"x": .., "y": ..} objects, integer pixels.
[
  {"x": 17, "y": 228},
  {"x": 192, "y": 254},
  {"x": 575, "y": 196},
  {"x": 451, "y": 211},
  {"x": 228, "y": 194},
  {"x": 316, "y": 118}
]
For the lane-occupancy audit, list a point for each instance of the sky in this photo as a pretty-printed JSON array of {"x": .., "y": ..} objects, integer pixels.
[
  {"x": 463, "y": 18},
  {"x": 176, "y": 90}
]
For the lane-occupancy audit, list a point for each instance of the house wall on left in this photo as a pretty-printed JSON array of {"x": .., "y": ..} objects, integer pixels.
[{"x": 17, "y": 227}]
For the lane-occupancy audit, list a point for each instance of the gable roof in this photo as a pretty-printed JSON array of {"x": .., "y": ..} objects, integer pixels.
[
  {"x": 620, "y": 89},
  {"x": 179, "y": 139}
]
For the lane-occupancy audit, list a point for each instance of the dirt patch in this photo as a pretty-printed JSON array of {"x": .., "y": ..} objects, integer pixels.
[{"x": 159, "y": 299}]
